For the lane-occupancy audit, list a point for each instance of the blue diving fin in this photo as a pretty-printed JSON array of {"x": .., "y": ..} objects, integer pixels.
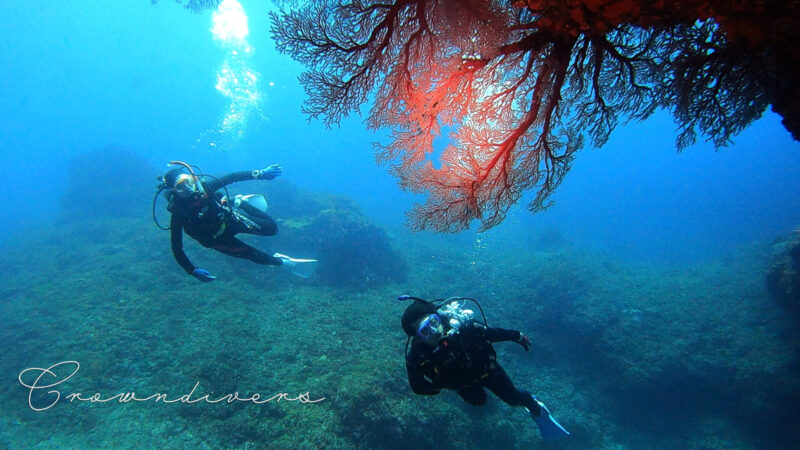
[{"x": 548, "y": 425}]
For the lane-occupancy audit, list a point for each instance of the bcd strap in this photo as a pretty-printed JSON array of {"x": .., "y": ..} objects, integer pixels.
[{"x": 221, "y": 229}]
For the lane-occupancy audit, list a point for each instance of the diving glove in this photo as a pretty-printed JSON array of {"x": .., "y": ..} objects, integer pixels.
[
  {"x": 268, "y": 173},
  {"x": 548, "y": 426},
  {"x": 524, "y": 341},
  {"x": 300, "y": 267}
]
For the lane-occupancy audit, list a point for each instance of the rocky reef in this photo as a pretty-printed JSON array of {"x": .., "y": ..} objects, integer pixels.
[
  {"x": 625, "y": 355},
  {"x": 352, "y": 251},
  {"x": 783, "y": 276},
  {"x": 696, "y": 344},
  {"x": 108, "y": 182}
]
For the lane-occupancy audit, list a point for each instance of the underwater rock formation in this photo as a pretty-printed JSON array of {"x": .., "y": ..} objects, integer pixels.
[
  {"x": 783, "y": 277},
  {"x": 625, "y": 356},
  {"x": 351, "y": 250},
  {"x": 111, "y": 181},
  {"x": 659, "y": 340}
]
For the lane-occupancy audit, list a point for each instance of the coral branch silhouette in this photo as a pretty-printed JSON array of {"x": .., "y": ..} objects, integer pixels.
[{"x": 519, "y": 86}]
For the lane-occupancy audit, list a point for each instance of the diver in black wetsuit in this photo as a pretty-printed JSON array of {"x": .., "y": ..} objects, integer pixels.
[
  {"x": 209, "y": 218},
  {"x": 448, "y": 354}
]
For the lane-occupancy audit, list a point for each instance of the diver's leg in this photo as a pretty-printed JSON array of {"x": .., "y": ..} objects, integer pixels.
[
  {"x": 502, "y": 386},
  {"x": 474, "y": 395},
  {"x": 499, "y": 383},
  {"x": 266, "y": 226},
  {"x": 259, "y": 225},
  {"x": 231, "y": 246}
]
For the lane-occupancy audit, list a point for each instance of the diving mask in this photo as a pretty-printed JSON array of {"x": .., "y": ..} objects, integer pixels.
[
  {"x": 430, "y": 329},
  {"x": 185, "y": 185}
]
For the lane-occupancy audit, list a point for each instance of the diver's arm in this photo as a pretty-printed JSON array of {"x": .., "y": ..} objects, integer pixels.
[
  {"x": 176, "y": 238},
  {"x": 417, "y": 380},
  {"x": 211, "y": 184},
  {"x": 501, "y": 335}
]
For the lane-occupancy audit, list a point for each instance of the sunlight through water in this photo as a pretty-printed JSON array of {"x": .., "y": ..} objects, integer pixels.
[{"x": 236, "y": 79}]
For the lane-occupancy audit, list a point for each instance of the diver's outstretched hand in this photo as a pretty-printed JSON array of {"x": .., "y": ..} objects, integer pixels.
[
  {"x": 203, "y": 275},
  {"x": 524, "y": 341},
  {"x": 269, "y": 172}
]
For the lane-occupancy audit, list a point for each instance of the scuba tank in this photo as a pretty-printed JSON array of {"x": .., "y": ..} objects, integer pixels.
[
  {"x": 456, "y": 313},
  {"x": 251, "y": 205},
  {"x": 453, "y": 309},
  {"x": 250, "y": 209}
]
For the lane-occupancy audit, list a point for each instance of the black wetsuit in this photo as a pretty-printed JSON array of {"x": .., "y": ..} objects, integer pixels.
[
  {"x": 467, "y": 363},
  {"x": 213, "y": 225}
]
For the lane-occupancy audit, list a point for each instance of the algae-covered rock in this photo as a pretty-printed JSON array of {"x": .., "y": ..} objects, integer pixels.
[
  {"x": 362, "y": 250},
  {"x": 351, "y": 250},
  {"x": 783, "y": 276}
]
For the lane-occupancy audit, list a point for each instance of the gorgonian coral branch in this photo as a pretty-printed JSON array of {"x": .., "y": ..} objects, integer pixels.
[{"x": 516, "y": 86}]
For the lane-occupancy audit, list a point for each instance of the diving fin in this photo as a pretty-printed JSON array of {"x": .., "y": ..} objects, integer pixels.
[
  {"x": 548, "y": 425},
  {"x": 300, "y": 267}
]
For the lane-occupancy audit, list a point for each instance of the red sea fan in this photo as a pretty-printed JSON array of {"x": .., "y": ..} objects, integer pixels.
[{"x": 519, "y": 85}]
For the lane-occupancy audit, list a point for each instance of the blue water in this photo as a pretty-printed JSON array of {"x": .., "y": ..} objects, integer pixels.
[
  {"x": 141, "y": 76},
  {"x": 79, "y": 76}
]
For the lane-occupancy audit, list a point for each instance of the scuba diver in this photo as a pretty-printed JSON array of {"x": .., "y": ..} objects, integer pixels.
[
  {"x": 452, "y": 350},
  {"x": 214, "y": 220}
]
